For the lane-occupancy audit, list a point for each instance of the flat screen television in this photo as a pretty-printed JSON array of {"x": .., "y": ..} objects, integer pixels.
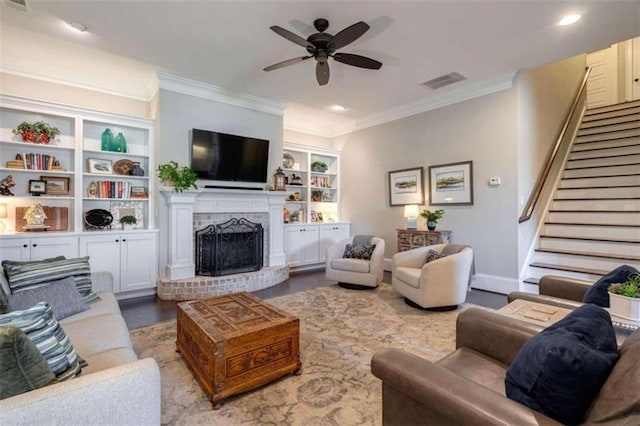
[{"x": 224, "y": 157}]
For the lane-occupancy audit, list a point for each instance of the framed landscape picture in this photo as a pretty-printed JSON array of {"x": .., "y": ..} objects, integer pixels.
[
  {"x": 405, "y": 187},
  {"x": 451, "y": 184},
  {"x": 56, "y": 185}
]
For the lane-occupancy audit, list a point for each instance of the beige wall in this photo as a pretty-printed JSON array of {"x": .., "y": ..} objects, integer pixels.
[
  {"x": 292, "y": 136},
  {"x": 69, "y": 95},
  {"x": 482, "y": 130},
  {"x": 544, "y": 97}
]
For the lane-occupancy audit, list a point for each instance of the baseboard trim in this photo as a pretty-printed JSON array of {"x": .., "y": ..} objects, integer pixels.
[{"x": 495, "y": 284}]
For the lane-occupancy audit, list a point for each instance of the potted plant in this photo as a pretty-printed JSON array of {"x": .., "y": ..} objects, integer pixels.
[
  {"x": 319, "y": 166},
  {"x": 38, "y": 132},
  {"x": 624, "y": 298},
  {"x": 181, "y": 178},
  {"x": 432, "y": 217},
  {"x": 316, "y": 195},
  {"x": 128, "y": 221}
]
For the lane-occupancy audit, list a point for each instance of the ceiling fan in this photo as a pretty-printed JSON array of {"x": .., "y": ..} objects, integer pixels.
[{"x": 323, "y": 46}]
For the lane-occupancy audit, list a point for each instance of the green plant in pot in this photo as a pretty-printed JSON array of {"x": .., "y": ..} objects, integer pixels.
[
  {"x": 180, "y": 178},
  {"x": 319, "y": 166},
  {"x": 432, "y": 217},
  {"x": 38, "y": 132},
  {"x": 624, "y": 298},
  {"x": 128, "y": 221}
]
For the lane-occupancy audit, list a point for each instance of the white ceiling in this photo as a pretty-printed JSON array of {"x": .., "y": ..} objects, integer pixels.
[{"x": 227, "y": 43}]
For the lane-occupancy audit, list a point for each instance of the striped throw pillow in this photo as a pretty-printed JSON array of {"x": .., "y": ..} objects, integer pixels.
[
  {"x": 39, "y": 324},
  {"x": 23, "y": 276}
]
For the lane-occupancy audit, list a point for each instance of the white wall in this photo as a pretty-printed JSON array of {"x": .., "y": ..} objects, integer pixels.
[
  {"x": 300, "y": 138},
  {"x": 178, "y": 113},
  {"x": 482, "y": 130}
]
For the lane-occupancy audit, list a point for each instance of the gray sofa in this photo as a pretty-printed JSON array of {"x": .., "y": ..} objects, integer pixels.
[{"x": 116, "y": 388}]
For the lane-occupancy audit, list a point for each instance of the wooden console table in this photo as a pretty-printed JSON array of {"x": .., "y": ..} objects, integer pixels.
[{"x": 412, "y": 238}]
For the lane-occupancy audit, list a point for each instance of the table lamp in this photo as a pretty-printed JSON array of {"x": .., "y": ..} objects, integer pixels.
[
  {"x": 3, "y": 215},
  {"x": 411, "y": 212}
]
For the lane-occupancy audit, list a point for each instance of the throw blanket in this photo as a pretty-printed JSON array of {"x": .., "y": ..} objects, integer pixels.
[
  {"x": 456, "y": 248},
  {"x": 364, "y": 240}
]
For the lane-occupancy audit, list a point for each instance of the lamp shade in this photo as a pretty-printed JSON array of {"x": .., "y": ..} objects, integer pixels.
[
  {"x": 3, "y": 210},
  {"x": 411, "y": 210}
]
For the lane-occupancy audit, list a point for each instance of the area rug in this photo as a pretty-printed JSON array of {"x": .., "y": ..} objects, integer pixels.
[{"x": 340, "y": 331}]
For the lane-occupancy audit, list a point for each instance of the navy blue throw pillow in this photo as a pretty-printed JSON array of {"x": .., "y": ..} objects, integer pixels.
[
  {"x": 561, "y": 370},
  {"x": 598, "y": 293}
]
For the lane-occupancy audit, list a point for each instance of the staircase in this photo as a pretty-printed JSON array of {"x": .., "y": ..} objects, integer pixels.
[{"x": 593, "y": 222}]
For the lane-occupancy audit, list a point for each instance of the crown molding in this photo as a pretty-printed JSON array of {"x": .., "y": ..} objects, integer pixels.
[
  {"x": 211, "y": 92},
  {"x": 467, "y": 92},
  {"x": 138, "y": 93}
]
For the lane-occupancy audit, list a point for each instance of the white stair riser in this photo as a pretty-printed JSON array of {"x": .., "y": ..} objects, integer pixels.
[
  {"x": 606, "y": 152},
  {"x": 604, "y": 205},
  {"x": 606, "y": 136},
  {"x": 615, "y": 119},
  {"x": 598, "y": 263},
  {"x": 541, "y": 272},
  {"x": 605, "y": 232},
  {"x": 630, "y": 218},
  {"x": 599, "y": 193},
  {"x": 609, "y": 108},
  {"x": 604, "y": 161},
  {"x": 600, "y": 181},
  {"x": 609, "y": 128},
  {"x": 604, "y": 247},
  {"x": 605, "y": 144},
  {"x": 596, "y": 171}
]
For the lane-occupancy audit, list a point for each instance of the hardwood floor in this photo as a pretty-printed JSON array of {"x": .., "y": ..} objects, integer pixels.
[{"x": 148, "y": 310}]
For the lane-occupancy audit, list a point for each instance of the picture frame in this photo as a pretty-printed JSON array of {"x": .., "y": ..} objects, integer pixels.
[
  {"x": 120, "y": 209},
  {"x": 406, "y": 187},
  {"x": 319, "y": 217},
  {"x": 37, "y": 187},
  {"x": 97, "y": 165},
  {"x": 451, "y": 184},
  {"x": 57, "y": 185}
]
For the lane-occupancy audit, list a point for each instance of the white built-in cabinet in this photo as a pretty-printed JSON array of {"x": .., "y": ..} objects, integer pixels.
[
  {"x": 306, "y": 245},
  {"x": 131, "y": 258},
  {"x": 329, "y": 234},
  {"x": 78, "y": 146}
]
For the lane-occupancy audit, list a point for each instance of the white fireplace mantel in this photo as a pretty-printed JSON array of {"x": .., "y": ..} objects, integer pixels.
[{"x": 182, "y": 206}]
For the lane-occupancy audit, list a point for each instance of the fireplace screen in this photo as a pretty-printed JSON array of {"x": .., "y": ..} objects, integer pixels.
[{"x": 232, "y": 247}]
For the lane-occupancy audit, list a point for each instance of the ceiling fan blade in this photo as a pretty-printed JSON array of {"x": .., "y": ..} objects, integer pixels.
[
  {"x": 348, "y": 35},
  {"x": 322, "y": 73},
  {"x": 286, "y": 63},
  {"x": 357, "y": 61},
  {"x": 295, "y": 38}
]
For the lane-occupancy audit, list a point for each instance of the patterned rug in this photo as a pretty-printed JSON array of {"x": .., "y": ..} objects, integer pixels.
[{"x": 340, "y": 331}]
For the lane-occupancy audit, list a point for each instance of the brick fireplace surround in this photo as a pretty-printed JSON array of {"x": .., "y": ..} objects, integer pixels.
[{"x": 181, "y": 283}]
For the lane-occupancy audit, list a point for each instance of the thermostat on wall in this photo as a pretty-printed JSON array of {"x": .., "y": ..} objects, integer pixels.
[{"x": 494, "y": 181}]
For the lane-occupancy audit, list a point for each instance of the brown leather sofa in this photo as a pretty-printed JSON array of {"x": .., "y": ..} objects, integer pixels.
[
  {"x": 555, "y": 290},
  {"x": 467, "y": 386}
]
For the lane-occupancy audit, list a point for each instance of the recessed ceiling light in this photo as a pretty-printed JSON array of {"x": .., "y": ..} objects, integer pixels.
[
  {"x": 339, "y": 108},
  {"x": 569, "y": 19},
  {"x": 78, "y": 26}
]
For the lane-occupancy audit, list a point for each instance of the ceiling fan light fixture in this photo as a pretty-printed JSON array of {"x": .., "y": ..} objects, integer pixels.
[
  {"x": 569, "y": 19},
  {"x": 78, "y": 26}
]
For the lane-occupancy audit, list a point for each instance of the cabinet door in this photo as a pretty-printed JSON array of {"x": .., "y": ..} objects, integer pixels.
[
  {"x": 329, "y": 234},
  {"x": 302, "y": 245},
  {"x": 15, "y": 249},
  {"x": 138, "y": 261},
  {"x": 42, "y": 248},
  {"x": 104, "y": 255}
]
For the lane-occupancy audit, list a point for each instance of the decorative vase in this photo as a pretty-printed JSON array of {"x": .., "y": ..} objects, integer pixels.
[
  {"x": 625, "y": 307},
  {"x": 121, "y": 143},
  {"x": 107, "y": 141},
  {"x": 431, "y": 225},
  {"x": 136, "y": 170}
]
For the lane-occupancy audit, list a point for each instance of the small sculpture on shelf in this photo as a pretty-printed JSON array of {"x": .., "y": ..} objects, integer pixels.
[
  {"x": 35, "y": 217},
  {"x": 5, "y": 184}
]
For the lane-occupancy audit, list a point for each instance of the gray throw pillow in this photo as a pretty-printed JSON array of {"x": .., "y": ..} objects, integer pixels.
[
  {"x": 62, "y": 295},
  {"x": 22, "y": 366}
]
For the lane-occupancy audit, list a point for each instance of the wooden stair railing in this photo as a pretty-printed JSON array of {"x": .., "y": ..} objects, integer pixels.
[{"x": 553, "y": 152}]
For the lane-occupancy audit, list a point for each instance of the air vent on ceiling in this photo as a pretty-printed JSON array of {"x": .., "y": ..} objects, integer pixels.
[
  {"x": 20, "y": 5},
  {"x": 445, "y": 80}
]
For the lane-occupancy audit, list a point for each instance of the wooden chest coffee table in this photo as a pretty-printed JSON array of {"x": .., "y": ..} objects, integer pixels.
[{"x": 236, "y": 342}]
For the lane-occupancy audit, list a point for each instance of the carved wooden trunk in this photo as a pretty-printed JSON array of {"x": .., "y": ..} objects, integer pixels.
[{"x": 236, "y": 342}]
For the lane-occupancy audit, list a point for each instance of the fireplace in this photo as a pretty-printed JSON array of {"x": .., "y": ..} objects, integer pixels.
[{"x": 232, "y": 247}]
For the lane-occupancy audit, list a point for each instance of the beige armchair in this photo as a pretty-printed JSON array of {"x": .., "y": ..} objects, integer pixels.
[
  {"x": 441, "y": 284},
  {"x": 356, "y": 274}
]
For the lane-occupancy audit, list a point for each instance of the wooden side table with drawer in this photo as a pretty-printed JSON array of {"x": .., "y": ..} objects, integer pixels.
[{"x": 412, "y": 238}]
